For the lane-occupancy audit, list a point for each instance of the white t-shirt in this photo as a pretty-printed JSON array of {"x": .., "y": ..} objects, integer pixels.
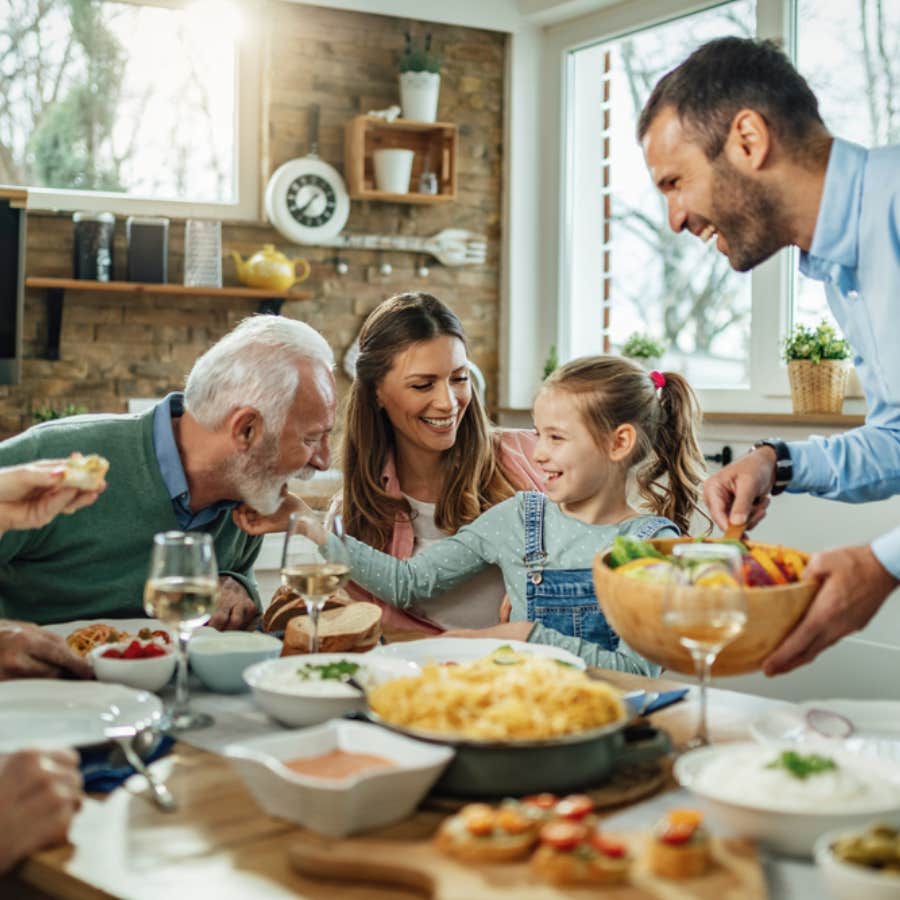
[{"x": 474, "y": 603}]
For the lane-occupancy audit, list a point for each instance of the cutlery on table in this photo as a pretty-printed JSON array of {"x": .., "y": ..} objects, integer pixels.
[{"x": 132, "y": 743}]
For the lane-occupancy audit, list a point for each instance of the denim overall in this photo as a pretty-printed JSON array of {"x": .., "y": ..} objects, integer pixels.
[{"x": 564, "y": 599}]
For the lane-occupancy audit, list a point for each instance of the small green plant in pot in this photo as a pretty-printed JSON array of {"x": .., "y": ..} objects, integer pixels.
[
  {"x": 643, "y": 349},
  {"x": 818, "y": 362},
  {"x": 420, "y": 81}
]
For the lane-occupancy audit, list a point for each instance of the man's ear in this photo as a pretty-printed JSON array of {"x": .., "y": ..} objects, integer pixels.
[
  {"x": 245, "y": 427},
  {"x": 622, "y": 441},
  {"x": 748, "y": 146}
]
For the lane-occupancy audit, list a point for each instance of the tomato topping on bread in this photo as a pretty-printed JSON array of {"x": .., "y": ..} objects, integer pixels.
[{"x": 679, "y": 846}]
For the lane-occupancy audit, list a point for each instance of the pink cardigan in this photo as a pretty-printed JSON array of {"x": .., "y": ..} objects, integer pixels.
[{"x": 516, "y": 447}]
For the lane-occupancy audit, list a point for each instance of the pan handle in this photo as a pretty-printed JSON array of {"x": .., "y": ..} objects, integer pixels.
[{"x": 643, "y": 743}]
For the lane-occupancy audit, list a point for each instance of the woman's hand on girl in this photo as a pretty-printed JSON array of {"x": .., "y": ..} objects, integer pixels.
[{"x": 512, "y": 631}]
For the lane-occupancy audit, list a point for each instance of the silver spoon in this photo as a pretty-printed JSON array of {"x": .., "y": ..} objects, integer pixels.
[{"x": 132, "y": 743}]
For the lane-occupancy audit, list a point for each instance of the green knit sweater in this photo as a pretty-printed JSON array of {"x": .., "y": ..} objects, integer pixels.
[{"x": 93, "y": 564}]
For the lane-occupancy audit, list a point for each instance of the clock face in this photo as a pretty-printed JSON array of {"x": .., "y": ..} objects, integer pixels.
[
  {"x": 311, "y": 200},
  {"x": 306, "y": 200}
]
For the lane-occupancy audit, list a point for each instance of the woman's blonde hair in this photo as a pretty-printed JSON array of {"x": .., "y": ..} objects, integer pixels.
[
  {"x": 474, "y": 479},
  {"x": 611, "y": 391}
]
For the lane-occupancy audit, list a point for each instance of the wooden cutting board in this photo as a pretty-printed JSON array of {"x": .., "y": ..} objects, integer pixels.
[{"x": 403, "y": 856}]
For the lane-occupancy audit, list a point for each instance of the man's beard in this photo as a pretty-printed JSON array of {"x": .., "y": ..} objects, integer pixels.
[
  {"x": 253, "y": 476},
  {"x": 748, "y": 216}
]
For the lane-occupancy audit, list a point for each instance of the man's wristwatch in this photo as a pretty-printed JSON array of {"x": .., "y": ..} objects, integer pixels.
[{"x": 784, "y": 468}]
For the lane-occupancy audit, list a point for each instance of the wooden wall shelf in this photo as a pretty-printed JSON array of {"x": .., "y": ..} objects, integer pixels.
[
  {"x": 433, "y": 143},
  {"x": 55, "y": 291}
]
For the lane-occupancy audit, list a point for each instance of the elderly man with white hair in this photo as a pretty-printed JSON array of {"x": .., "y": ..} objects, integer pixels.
[{"x": 257, "y": 410}]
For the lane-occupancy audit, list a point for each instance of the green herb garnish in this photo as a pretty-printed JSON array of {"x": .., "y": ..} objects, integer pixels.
[
  {"x": 801, "y": 765},
  {"x": 334, "y": 671}
]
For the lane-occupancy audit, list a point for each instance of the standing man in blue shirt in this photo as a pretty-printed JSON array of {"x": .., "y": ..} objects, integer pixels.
[{"x": 734, "y": 140}]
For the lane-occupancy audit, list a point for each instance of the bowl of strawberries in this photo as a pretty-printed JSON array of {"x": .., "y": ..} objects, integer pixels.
[{"x": 144, "y": 664}]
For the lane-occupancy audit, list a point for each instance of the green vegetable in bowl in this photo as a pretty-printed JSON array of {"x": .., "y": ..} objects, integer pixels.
[
  {"x": 332, "y": 671},
  {"x": 802, "y": 765},
  {"x": 626, "y": 548}
]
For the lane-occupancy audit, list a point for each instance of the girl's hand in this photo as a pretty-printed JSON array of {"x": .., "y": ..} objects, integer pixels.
[
  {"x": 513, "y": 631},
  {"x": 248, "y": 519}
]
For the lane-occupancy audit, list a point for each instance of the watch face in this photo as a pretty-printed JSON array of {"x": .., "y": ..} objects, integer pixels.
[{"x": 311, "y": 200}]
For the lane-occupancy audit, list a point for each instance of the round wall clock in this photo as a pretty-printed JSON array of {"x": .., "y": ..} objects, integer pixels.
[{"x": 307, "y": 201}]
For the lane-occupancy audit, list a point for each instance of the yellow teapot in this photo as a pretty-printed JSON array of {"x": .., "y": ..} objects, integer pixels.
[{"x": 270, "y": 269}]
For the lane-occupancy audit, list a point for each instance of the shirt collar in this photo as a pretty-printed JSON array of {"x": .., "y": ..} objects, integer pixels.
[
  {"x": 836, "y": 237},
  {"x": 166, "y": 449}
]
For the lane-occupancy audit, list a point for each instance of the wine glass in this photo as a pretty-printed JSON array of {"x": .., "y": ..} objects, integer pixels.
[
  {"x": 313, "y": 570},
  {"x": 706, "y": 606},
  {"x": 181, "y": 591}
]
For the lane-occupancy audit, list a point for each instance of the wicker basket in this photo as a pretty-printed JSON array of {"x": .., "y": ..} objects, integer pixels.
[{"x": 818, "y": 387}]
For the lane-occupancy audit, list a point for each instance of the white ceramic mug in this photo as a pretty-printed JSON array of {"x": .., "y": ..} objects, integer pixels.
[{"x": 393, "y": 169}]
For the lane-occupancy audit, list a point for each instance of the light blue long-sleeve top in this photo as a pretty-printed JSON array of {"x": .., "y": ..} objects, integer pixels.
[
  {"x": 497, "y": 537},
  {"x": 855, "y": 251}
]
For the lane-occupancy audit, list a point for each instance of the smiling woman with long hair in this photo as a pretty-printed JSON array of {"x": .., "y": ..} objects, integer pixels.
[{"x": 420, "y": 458}]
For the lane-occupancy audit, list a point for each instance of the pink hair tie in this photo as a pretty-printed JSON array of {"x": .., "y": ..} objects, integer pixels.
[{"x": 658, "y": 378}]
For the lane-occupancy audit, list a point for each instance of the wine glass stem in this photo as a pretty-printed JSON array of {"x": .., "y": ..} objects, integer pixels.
[
  {"x": 314, "y": 618},
  {"x": 703, "y": 662},
  {"x": 181, "y": 705}
]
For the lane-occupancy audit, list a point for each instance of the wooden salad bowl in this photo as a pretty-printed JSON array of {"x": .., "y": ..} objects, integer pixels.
[{"x": 634, "y": 608}]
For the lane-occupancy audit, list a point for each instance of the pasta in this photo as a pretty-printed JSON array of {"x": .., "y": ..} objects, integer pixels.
[
  {"x": 83, "y": 640},
  {"x": 505, "y": 696}
]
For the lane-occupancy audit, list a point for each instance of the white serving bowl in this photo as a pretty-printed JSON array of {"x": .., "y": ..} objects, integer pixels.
[
  {"x": 151, "y": 674},
  {"x": 774, "y": 821},
  {"x": 339, "y": 807},
  {"x": 292, "y": 701},
  {"x": 848, "y": 881},
  {"x": 219, "y": 657}
]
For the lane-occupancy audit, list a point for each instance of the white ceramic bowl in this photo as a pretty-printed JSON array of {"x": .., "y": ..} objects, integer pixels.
[
  {"x": 219, "y": 657},
  {"x": 151, "y": 674},
  {"x": 339, "y": 807},
  {"x": 771, "y": 820},
  {"x": 848, "y": 881},
  {"x": 293, "y": 701}
]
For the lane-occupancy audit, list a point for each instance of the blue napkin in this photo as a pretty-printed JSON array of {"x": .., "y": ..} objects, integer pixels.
[
  {"x": 666, "y": 698},
  {"x": 101, "y": 778}
]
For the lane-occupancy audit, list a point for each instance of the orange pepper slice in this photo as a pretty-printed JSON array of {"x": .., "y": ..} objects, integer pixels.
[{"x": 766, "y": 562}]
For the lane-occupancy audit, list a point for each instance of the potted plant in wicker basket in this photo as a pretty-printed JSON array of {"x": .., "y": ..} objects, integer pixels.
[
  {"x": 644, "y": 350},
  {"x": 818, "y": 362},
  {"x": 420, "y": 81}
]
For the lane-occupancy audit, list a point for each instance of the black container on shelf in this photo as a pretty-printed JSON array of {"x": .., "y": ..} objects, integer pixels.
[
  {"x": 92, "y": 248},
  {"x": 148, "y": 249}
]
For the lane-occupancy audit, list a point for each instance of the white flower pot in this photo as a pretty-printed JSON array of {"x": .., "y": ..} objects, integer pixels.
[
  {"x": 419, "y": 95},
  {"x": 393, "y": 168}
]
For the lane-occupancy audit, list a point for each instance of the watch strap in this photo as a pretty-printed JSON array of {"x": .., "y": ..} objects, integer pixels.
[{"x": 784, "y": 468}]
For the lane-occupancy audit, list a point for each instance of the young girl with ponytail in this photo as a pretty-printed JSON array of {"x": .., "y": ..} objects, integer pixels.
[{"x": 600, "y": 421}]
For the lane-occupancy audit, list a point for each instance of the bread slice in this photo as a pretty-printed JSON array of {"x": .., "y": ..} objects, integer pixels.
[
  {"x": 287, "y": 603},
  {"x": 85, "y": 472},
  {"x": 345, "y": 628}
]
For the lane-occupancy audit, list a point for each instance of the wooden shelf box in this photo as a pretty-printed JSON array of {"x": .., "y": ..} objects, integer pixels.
[{"x": 433, "y": 143}]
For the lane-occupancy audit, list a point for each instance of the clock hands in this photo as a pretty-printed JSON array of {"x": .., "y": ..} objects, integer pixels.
[{"x": 308, "y": 203}]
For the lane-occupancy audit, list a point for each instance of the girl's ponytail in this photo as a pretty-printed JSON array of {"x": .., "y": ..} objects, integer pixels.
[{"x": 670, "y": 478}]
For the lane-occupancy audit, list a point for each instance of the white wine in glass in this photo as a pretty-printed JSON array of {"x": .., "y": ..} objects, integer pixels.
[
  {"x": 314, "y": 571},
  {"x": 706, "y": 607},
  {"x": 181, "y": 591}
]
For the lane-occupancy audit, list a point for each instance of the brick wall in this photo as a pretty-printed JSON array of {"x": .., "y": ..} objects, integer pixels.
[{"x": 118, "y": 346}]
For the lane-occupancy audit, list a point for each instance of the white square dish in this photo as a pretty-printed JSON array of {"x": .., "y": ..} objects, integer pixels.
[{"x": 339, "y": 807}]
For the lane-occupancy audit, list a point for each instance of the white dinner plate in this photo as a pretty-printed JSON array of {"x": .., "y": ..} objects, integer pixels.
[
  {"x": 52, "y": 713},
  {"x": 876, "y": 727},
  {"x": 462, "y": 650},
  {"x": 132, "y": 626}
]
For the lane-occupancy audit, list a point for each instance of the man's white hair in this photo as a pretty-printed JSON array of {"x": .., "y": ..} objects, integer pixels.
[{"x": 254, "y": 365}]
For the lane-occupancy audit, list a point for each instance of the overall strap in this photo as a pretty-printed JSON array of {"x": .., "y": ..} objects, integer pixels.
[
  {"x": 650, "y": 526},
  {"x": 535, "y": 557}
]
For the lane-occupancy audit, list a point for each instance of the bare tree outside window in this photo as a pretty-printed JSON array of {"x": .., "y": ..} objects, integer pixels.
[
  {"x": 667, "y": 285},
  {"x": 116, "y": 97}
]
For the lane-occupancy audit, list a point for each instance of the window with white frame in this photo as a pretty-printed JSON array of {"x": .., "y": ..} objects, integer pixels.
[
  {"x": 621, "y": 269},
  {"x": 126, "y": 105}
]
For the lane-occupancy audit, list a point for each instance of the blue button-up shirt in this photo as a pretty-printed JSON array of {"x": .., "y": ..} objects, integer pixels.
[
  {"x": 173, "y": 471},
  {"x": 855, "y": 251}
]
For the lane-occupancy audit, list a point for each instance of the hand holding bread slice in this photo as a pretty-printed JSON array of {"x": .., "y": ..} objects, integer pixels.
[{"x": 85, "y": 473}]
